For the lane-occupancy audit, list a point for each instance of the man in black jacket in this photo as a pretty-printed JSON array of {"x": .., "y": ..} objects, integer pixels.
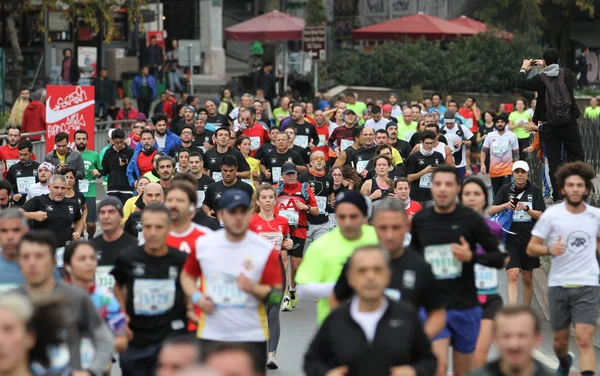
[
  {"x": 370, "y": 335},
  {"x": 106, "y": 92},
  {"x": 554, "y": 136},
  {"x": 69, "y": 72},
  {"x": 114, "y": 165},
  {"x": 266, "y": 80}
]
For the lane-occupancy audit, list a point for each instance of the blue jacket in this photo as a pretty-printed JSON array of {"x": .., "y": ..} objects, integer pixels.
[
  {"x": 133, "y": 171},
  {"x": 136, "y": 85}
]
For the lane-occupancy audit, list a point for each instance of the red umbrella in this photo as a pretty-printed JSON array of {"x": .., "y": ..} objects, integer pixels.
[
  {"x": 480, "y": 26},
  {"x": 413, "y": 26},
  {"x": 272, "y": 26}
]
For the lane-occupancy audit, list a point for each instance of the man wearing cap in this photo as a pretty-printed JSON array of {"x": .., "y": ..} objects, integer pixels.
[
  {"x": 241, "y": 273},
  {"x": 386, "y": 112},
  {"x": 503, "y": 147},
  {"x": 459, "y": 140},
  {"x": 526, "y": 202},
  {"x": 341, "y": 137},
  {"x": 113, "y": 240},
  {"x": 23, "y": 174},
  {"x": 326, "y": 256},
  {"x": 189, "y": 113},
  {"x": 44, "y": 172},
  {"x": 377, "y": 122}
]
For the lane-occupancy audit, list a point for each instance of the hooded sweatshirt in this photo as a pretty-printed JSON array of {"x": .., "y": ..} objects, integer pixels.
[{"x": 34, "y": 119}]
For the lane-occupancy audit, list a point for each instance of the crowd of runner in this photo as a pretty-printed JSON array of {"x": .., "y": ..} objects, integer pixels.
[{"x": 216, "y": 223}]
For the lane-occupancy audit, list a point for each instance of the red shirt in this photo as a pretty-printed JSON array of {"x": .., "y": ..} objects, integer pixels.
[
  {"x": 144, "y": 162},
  {"x": 274, "y": 230},
  {"x": 168, "y": 109},
  {"x": 186, "y": 242},
  {"x": 286, "y": 207},
  {"x": 323, "y": 133},
  {"x": 469, "y": 116},
  {"x": 10, "y": 156},
  {"x": 311, "y": 120},
  {"x": 413, "y": 208},
  {"x": 258, "y": 136}
]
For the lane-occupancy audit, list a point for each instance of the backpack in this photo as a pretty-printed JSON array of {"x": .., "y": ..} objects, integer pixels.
[
  {"x": 558, "y": 99},
  {"x": 304, "y": 191}
]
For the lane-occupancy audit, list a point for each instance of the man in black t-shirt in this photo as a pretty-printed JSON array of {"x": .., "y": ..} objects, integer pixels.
[
  {"x": 412, "y": 279},
  {"x": 304, "y": 153},
  {"x": 306, "y": 133},
  {"x": 202, "y": 180},
  {"x": 203, "y": 138},
  {"x": 270, "y": 164},
  {"x": 147, "y": 285},
  {"x": 267, "y": 147},
  {"x": 212, "y": 158},
  {"x": 113, "y": 240},
  {"x": 230, "y": 181},
  {"x": 419, "y": 169},
  {"x": 22, "y": 174},
  {"x": 56, "y": 213},
  {"x": 215, "y": 118}
]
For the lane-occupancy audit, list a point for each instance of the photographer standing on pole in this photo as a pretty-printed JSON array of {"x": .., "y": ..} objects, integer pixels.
[{"x": 556, "y": 111}]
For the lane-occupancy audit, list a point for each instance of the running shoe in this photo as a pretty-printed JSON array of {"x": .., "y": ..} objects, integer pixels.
[
  {"x": 294, "y": 298},
  {"x": 286, "y": 304},
  {"x": 272, "y": 362},
  {"x": 565, "y": 371}
]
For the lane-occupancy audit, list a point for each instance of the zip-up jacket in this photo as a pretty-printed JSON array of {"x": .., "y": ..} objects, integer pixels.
[{"x": 73, "y": 160}]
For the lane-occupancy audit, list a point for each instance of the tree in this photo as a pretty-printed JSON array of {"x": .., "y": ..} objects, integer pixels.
[
  {"x": 315, "y": 13},
  {"x": 96, "y": 14}
]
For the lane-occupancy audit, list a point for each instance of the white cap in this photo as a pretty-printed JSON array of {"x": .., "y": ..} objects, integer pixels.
[
  {"x": 520, "y": 164},
  {"x": 110, "y": 132}
]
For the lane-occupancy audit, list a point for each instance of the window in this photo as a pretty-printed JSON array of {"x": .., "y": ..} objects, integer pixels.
[{"x": 59, "y": 28}]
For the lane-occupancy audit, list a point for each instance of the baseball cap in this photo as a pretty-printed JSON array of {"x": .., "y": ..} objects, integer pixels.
[
  {"x": 386, "y": 108},
  {"x": 233, "y": 198},
  {"x": 288, "y": 167},
  {"x": 47, "y": 165},
  {"x": 520, "y": 164},
  {"x": 449, "y": 117},
  {"x": 191, "y": 108},
  {"x": 366, "y": 111},
  {"x": 110, "y": 132},
  {"x": 356, "y": 199},
  {"x": 349, "y": 111},
  {"x": 111, "y": 201}
]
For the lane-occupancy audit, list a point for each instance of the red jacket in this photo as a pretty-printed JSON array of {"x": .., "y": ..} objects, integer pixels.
[
  {"x": 34, "y": 119},
  {"x": 130, "y": 116}
]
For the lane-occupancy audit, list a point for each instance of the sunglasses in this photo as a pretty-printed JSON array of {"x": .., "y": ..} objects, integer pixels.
[{"x": 318, "y": 159}]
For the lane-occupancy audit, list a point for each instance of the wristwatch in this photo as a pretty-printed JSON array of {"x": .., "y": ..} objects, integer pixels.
[{"x": 527, "y": 208}]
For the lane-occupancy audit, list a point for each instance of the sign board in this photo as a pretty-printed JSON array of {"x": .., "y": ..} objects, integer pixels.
[
  {"x": 87, "y": 61},
  {"x": 314, "y": 41},
  {"x": 160, "y": 38},
  {"x": 69, "y": 109},
  {"x": 190, "y": 49}
]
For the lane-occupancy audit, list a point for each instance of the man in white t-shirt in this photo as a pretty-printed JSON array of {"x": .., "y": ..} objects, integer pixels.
[
  {"x": 45, "y": 171},
  {"x": 571, "y": 230},
  {"x": 459, "y": 140},
  {"x": 377, "y": 122},
  {"x": 503, "y": 148}
]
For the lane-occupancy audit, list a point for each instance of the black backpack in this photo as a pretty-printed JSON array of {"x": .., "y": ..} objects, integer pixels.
[{"x": 558, "y": 99}]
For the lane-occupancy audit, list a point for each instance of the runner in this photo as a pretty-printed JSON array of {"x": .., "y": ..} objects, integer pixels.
[
  {"x": 147, "y": 285},
  {"x": 69, "y": 173},
  {"x": 44, "y": 173},
  {"x": 402, "y": 190},
  {"x": 474, "y": 195},
  {"x": 446, "y": 234},
  {"x": 342, "y": 137},
  {"x": 87, "y": 185},
  {"x": 295, "y": 201},
  {"x": 440, "y": 143},
  {"x": 503, "y": 148},
  {"x": 276, "y": 229},
  {"x": 571, "y": 230},
  {"x": 13, "y": 226},
  {"x": 213, "y": 157},
  {"x": 240, "y": 272},
  {"x": 380, "y": 186},
  {"x": 325, "y": 258},
  {"x": 271, "y": 164},
  {"x": 459, "y": 140},
  {"x": 23, "y": 174},
  {"x": 153, "y": 194},
  {"x": 420, "y": 166}
]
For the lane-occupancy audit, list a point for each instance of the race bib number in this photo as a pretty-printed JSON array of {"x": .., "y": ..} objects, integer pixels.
[
  {"x": 276, "y": 174},
  {"x": 254, "y": 143},
  {"x": 60, "y": 257},
  {"x": 469, "y": 122},
  {"x": 425, "y": 180},
  {"x": 201, "y": 195},
  {"x": 344, "y": 144},
  {"x": 301, "y": 141},
  {"x": 84, "y": 186},
  {"x": 276, "y": 238},
  {"x": 86, "y": 350},
  {"x": 104, "y": 278},
  {"x": 224, "y": 291},
  {"x": 321, "y": 140},
  {"x": 291, "y": 216},
  {"x": 322, "y": 204},
  {"x": 442, "y": 261},
  {"x": 152, "y": 297},
  {"x": 499, "y": 147},
  {"x": 361, "y": 165},
  {"x": 486, "y": 279},
  {"x": 408, "y": 135},
  {"x": 217, "y": 176},
  {"x": 24, "y": 183},
  {"x": 10, "y": 162},
  {"x": 521, "y": 215}
]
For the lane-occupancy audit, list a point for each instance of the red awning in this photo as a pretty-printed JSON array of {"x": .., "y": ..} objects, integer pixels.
[
  {"x": 272, "y": 26},
  {"x": 414, "y": 26},
  {"x": 480, "y": 26}
]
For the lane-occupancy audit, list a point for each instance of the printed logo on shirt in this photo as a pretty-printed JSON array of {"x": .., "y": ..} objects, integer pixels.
[
  {"x": 273, "y": 160},
  {"x": 173, "y": 272},
  {"x": 578, "y": 241},
  {"x": 213, "y": 160},
  {"x": 408, "y": 279},
  {"x": 421, "y": 161},
  {"x": 18, "y": 173},
  {"x": 139, "y": 270},
  {"x": 49, "y": 208},
  {"x": 71, "y": 210},
  {"x": 248, "y": 264}
]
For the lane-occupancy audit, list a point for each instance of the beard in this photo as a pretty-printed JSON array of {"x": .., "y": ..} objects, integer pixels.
[
  {"x": 161, "y": 133},
  {"x": 13, "y": 143},
  {"x": 573, "y": 202},
  {"x": 81, "y": 147}
]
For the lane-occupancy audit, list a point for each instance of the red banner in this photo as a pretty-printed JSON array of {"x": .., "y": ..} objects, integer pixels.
[
  {"x": 160, "y": 38},
  {"x": 69, "y": 109}
]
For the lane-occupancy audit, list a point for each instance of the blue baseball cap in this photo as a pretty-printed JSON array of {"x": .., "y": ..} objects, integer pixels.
[{"x": 233, "y": 198}]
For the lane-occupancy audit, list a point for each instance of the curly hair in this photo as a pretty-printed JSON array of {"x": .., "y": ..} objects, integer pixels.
[{"x": 579, "y": 168}]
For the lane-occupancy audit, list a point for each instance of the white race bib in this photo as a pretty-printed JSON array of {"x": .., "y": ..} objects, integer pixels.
[
  {"x": 486, "y": 279},
  {"x": 301, "y": 141},
  {"x": 469, "y": 122},
  {"x": 87, "y": 351},
  {"x": 345, "y": 144},
  {"x": 521, "y": 215},
  {"x": 276, "y": 238},
  {"x": 254, "y": 143},
  {"x": 23, "y": 183},
  {"x": 276, "y": 174},
  {"x": 104, "y": 278},
  {"x": 10, "y": 162},
  {"x": 425, "y": 180},
  {"x": 499, "y": 147},
  {"x": 322, "y": 204},
  {"x": 332, "y": 221},
  {"x": 321, "y": 140},
  {"x": 84, "y": 186},
  {"x": 224, "y": 291},
  {"x": 442, "y": 261},
  {"x": 217, "y": 176},
  {"x": 291, "y": 216},
  {"x": 60, "y": 257},
  {"x": 200, "y": 198},
  {"x": 361, "y": 165},
  {"x": 153, "y": 297}
]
